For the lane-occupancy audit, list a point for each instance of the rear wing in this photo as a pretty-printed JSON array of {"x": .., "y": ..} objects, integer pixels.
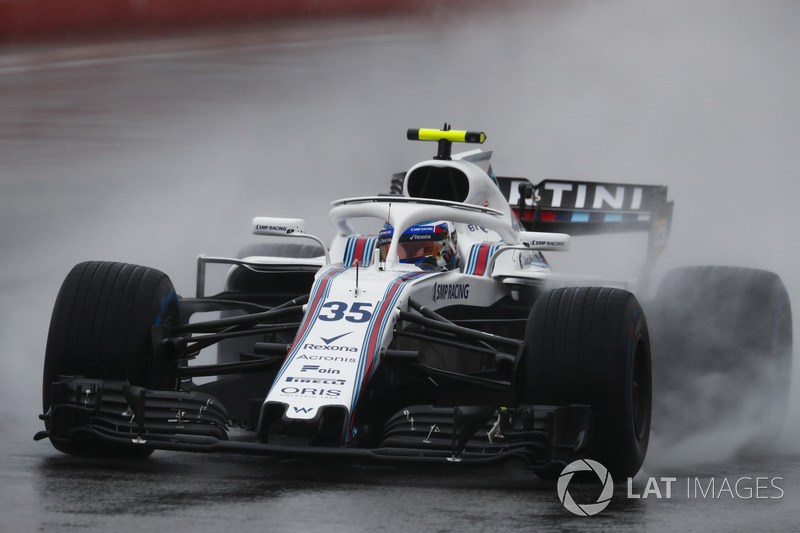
[{"x": 590, "y": 208}]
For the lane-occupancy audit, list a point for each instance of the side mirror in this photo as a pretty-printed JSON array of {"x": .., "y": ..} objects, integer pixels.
[
  {"x": 287, "y": 227},
  {"x": 278, "y": 226},
  {"x": 544, "y": 241}
]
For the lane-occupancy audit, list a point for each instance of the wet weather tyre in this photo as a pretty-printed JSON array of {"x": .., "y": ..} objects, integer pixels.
[
  {"x": 101, "y": 328},
  {"x": 731, "y": 329},
  {"x": 591, "y": 346}
]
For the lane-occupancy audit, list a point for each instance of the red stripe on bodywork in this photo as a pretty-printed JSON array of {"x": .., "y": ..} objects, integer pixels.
[
  {"x": 372, "y": 343},
  {"x": 311, "y": 310},
  {"x": 358, "y": 253},
  {"x": 483, "y": 258}
]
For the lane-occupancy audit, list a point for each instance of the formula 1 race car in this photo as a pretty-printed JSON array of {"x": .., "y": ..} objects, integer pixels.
[{"x": 441, "y": 335}]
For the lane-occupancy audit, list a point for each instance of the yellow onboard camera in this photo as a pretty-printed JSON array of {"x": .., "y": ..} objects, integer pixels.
[{"x": 445, "y": 137}]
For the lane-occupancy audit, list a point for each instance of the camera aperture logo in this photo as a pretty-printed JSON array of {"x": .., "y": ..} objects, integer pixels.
[{"x": 587, "y": 509}]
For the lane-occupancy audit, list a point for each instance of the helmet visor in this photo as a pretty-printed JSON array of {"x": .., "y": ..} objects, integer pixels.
[
  {"x": 408, "y": 251},
  {"x": 416, "y": 243}
]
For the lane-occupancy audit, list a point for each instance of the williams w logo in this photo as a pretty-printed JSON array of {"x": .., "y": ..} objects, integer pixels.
[{"x": 303, "y": 409}]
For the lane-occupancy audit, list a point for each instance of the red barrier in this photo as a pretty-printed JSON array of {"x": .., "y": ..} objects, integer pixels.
[{"x": 25, "y": 19}]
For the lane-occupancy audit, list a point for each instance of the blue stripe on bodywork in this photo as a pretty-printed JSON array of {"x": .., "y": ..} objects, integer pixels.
[
  {"x": 318, "y": 295},
  {"x": 389, "y": 300}
]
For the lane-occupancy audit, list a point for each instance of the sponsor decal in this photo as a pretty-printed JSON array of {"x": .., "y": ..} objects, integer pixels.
[
  {"x": 328, "y": 341},
  {"x": 332, "y": 348},
  {"x": 585, "y": 195},
  {"x": 316, "y": 381},
  {"x": 332, "y": 358},
  {"x": 450, "y": 291},
  {"x": 310, "y": 391},
  {"x": 267, "y": 227},
  {"x": 591, "y": 196},
  {"x": 548, "y": 243},
  {"x": 423, "y": 229},
  {"x": 474, "y": 227},
  {"x": 319, "y": 370}
]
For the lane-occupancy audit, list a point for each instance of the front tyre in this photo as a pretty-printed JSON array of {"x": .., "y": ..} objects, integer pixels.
[
  {"x": 590, "y": 345},
  {"x": 101, "y": 328}
]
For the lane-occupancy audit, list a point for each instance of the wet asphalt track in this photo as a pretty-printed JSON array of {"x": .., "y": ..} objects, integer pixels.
[
  {"x": 178, "y": 492},
  {"x": 153, "y": 152}
]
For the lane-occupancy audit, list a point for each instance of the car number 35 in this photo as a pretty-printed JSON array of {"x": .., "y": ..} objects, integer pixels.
[{"x": 357, "y": 312}]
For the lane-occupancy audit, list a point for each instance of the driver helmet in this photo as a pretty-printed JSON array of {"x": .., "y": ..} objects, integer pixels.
[{"x": 430, "y": 244}]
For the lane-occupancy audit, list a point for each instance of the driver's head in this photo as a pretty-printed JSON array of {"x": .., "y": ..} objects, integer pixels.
[{"x": 431, "y": 243}]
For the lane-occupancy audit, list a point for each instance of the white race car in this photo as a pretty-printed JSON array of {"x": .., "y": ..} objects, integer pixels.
[{"x": 441, "y": 335}]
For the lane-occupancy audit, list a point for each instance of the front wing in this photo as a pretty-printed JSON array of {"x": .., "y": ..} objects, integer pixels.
[{"x": 116, "y": 412}]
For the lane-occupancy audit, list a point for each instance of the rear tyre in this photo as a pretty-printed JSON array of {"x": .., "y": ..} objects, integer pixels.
[
  {"x": 591, "y": 346},
  {"x": 730, "y": 329},
  {"x": 101, "y": 328}
]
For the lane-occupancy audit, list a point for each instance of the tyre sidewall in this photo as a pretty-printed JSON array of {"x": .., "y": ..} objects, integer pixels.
[{"x": 586, "y": 345}]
